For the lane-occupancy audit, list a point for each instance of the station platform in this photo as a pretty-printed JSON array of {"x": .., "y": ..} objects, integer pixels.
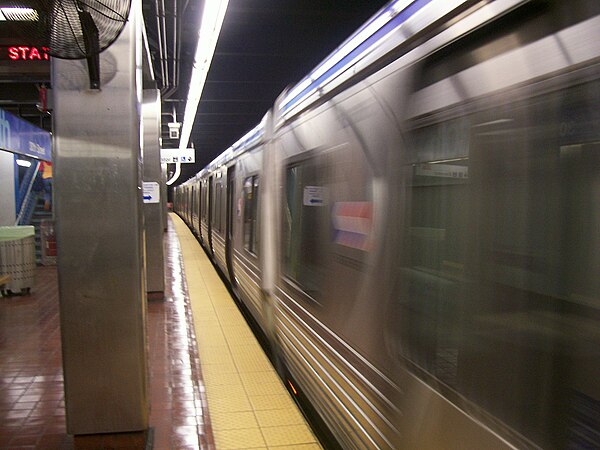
[{"x": 210, "y": 384}]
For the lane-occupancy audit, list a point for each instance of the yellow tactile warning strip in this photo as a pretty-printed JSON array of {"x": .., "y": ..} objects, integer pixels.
[{"x": 248, "y": 405}]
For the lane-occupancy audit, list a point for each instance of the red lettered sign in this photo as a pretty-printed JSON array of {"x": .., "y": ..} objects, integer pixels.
[{"x": 26, "y": 53}]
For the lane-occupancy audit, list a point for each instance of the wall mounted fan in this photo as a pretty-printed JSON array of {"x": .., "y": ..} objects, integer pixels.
[{"x": 74, "y": 29}]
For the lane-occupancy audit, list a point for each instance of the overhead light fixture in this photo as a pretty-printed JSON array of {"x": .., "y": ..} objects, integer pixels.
[
  {"x": 23, "y": 163},
  {"x": 208, "y": 34},
  {"x": 18, "y": 14}
]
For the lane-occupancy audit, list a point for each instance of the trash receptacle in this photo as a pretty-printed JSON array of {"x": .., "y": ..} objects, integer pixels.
[
  {"x": 48, "y": 242},
  {"x": 17, "y": 258}
]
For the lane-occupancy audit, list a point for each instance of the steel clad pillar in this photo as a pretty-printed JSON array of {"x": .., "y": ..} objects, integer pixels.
[
  {"x": 153, "y": 197},
  {"x": 98, "y": 196},
  {"x": 164, "y": 195}
]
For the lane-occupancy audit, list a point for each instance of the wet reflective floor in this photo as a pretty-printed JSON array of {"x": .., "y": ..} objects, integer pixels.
[
  {"x": 179, "y": 413},
  {"x": 32, "y": 413},
  {"x": 202, "y": 355}
]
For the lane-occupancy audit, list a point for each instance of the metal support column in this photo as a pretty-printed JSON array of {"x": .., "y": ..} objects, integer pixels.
[
  {"x": 153, "y": 198},
  {"x": 164, "y": 195},
  {"x": 98, "y": 193}
]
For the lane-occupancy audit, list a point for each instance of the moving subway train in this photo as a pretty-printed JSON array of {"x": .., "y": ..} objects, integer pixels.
[{"x": 415, "y": 226}]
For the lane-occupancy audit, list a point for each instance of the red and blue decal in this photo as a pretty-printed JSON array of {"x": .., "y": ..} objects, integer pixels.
[{"x": 352, "y": 224}]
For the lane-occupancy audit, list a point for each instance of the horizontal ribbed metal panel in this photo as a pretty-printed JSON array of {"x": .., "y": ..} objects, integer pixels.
[
  {"x": 219, "y": 249},
  {"x": 248, "y": 278},
  {"x": 335, "y": 386}
]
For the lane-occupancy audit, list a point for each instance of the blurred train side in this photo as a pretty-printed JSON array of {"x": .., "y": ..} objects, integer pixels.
[{"x": 419, "y": 239}]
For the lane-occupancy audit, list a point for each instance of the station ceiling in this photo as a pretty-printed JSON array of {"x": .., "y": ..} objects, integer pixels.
[{"x": 264, "y": 46}]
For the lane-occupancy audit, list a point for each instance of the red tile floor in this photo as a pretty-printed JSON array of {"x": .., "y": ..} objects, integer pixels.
[{"x": 32, "y": 413}]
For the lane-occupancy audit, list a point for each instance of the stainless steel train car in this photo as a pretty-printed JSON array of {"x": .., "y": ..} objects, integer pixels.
[{"x": 416, "y": 227}]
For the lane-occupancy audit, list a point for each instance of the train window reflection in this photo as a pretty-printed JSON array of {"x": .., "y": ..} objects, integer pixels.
[
  {"x": 251, "y": 232},
  {"x": 203, "y": 200},
  {"x": 502, "y": 263},
  {"x": 305, "y": 228},
  {"x": 218, "y": 207}
]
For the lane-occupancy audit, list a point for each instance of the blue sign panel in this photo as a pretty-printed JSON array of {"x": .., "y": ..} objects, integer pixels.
[{"x": 19, "y": 136}]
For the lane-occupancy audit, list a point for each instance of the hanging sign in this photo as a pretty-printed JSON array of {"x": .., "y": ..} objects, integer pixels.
[
  {"x": 177, "y": 155},
  {"x": 19, "y": 136}
]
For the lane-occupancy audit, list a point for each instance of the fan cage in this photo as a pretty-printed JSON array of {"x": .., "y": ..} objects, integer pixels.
[{"x": 72, "y": 29}]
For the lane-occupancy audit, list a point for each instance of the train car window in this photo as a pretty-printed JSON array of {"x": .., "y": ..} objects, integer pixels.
[
  {"x": 205, "y": 201},
  {"x": 437, "y": 248},
  {"x": 211, "y": 201},
  {"x": 499, "y": 293},
  {"x": 198, "y": 191},
  {"x": 202, "y": 200},
  {"x": 192, "y": 204},
  {"x": 218, "y": 206},
  {"x": 223, "y": 204},
  {"x": 305, "y": 227},
  {"x": 256, "y": 230},
  {"x": 251, "y": 231},
  {"x": 215, "y": 206}
]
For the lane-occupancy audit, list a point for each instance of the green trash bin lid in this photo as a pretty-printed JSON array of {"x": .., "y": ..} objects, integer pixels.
[{"x": 18, "y": 232}]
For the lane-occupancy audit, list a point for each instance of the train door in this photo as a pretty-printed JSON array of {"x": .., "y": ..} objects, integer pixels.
[
  {"x": 192, "y": 205},
  {"x": 229, "y": 221},
  {"x": 211, "y": 207},
  {"x": 200, "y": 207},
  {"x": 187, "y": 204}
]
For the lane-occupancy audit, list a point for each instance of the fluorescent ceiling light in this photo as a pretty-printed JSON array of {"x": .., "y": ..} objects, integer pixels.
[
  {"x": 18, "y": 14},
  {"x": 23, "y": 163},
  {"x": 208, "y": 34}
]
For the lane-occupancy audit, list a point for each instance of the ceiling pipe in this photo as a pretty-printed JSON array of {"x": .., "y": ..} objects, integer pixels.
[
  {"x": 169, "y": 87},
  {"x": 178, "y": 47},
  {"x": 166, "y": 81},
  {"x": 176, "y": 43},
  {"x": 176, "y": 50},
  {"x": 161, "y": 53}
]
